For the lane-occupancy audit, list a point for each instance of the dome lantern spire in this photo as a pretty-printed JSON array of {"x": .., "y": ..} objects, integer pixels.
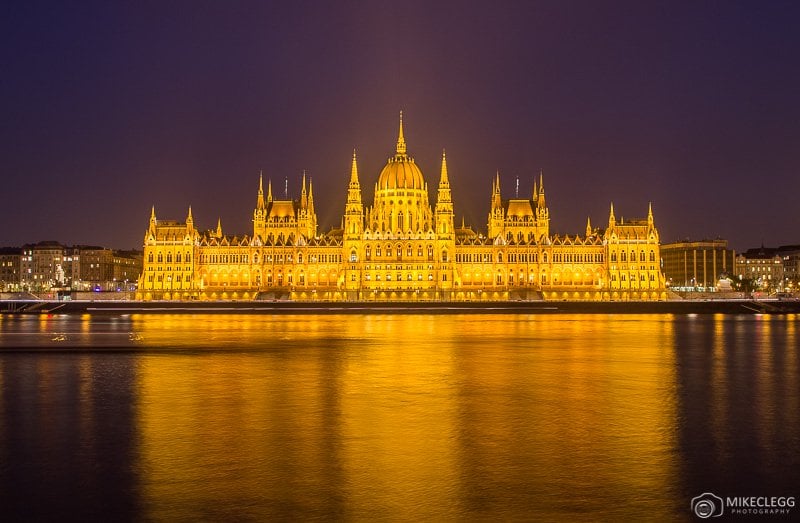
[{"x": 401, "y": 141}]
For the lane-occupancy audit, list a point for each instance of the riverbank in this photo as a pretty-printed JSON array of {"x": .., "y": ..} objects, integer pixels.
[{"x": 287, "y": 307}]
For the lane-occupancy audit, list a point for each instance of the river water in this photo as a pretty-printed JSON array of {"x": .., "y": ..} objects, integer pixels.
[{"x": 394, "y": 417}]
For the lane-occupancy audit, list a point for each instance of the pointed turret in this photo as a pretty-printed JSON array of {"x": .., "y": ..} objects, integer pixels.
[
  {"x": 218, "y": 233},
  {"x": 303, "y": 193},
  {"x": 353, "y": 220},
  {"x": 260, "y": 202},
  {"x": 612, "y": 220},
  {"x": 444, "y": 179},
  {"x": 189, "y": 219},
  {"x": 444, "y": 202},
  {"x": 269, "y": 191},
  {"x": 401, "y": 141},
  {"x": 588, "y": 226},
  {"x": 354, "y": 170},
  {"x": 650, "y": 214},
  {"x": 310, "y": 196},
  {"x": 153, "y": 220},
  {"x": 540, "y": 201}
]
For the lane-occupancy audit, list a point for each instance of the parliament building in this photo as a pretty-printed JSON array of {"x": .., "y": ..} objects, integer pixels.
[{"x": 401, "y": 248}]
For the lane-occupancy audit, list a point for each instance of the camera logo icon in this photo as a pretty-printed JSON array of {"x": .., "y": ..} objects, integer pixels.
[{"x": 707, "y": 505}]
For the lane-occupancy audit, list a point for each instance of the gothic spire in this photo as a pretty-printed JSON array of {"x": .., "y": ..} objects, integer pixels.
[
  {"x": 269, "y": 190},
  {"x": 588, "y": 226},
  {"x": 260, "y": 203},
  {"x": 444, "y": 179},
  {"x": 354, "y": 169},
  {"x": 401, "y": 142}
]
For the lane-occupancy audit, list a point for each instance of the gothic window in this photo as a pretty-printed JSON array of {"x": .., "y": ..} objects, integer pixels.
[
  {"x": 353, "y": 255},
  {"x": 178, "y": 258},
  {"x": 369, "y": 253},
  {"x": 641, "y": 256},
  {"x": 399, "y": 251},
  {"x": 500, "y": 257},
  {"x": 299, "y": 257},
  {"x": 419, "y": 251},
  {"x": 160, "y": 258},
  {"x": 652, "y": 256},
  {"x": 150, "y": 258},
  {"x": 430, "y": 252},
  {"x": 378, "y": 251},
  {"x": 614, "y": 256},
  {"x": 410, "y": 251},
  {"x": 544, "y": 258}
]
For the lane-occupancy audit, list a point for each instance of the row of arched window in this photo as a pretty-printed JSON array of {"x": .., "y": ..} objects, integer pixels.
[
  {"x": 169, "y": 258},
  {"x": 623, "y": 256}
]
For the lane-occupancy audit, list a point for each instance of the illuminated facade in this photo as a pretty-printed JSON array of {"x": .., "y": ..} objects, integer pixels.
[{"x": 402, "y": 249}]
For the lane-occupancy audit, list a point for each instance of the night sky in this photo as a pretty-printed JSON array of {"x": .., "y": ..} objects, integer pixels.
[{"x": 109, "y": 108}]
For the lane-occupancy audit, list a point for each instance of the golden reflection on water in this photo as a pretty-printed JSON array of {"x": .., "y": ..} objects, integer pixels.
[{"x": 407, "y": 416}]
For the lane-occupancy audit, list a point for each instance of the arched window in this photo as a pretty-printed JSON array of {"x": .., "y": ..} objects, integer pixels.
[
  {"x": 641, "y": 256},
  {"x": 169, "y": 257},
  {"x": 419, "y": 251},
  {"x": 624, "y": 256},
  {"x": 652, "y": 256},
  {"x": 178, "y": 258},
  {"x": 150, "y": 258},
  {"x": 353, "y": 255},
  {"x": 444, "y": 256},
  {"x": 430, "y": 252},
  {"x": 160, "y": 257},
  {"x": 613, "y": 256},
  {"x": 500, "y": 257},
  {"x": 368, "y": 253},
  {"x": 299, "y": 257}
]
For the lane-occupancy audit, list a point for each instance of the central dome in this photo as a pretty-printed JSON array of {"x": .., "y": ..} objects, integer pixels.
[{"x": 401, "y": 172}]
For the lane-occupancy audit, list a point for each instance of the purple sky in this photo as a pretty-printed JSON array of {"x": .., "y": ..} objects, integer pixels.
[{"x": 112, "y": 107}]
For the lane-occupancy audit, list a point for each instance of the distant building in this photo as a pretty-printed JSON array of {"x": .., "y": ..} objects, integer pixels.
[
  {"x": 790, "y": 255},
  {"x": 49, "y": 265},
  {"x": 697, "y": 265},
  {"x": 42, "y": 266},
  {"x": 103, "y": 269},
  {"x": 10, "y": 259},
  {"x": 764, "y": 266}
]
